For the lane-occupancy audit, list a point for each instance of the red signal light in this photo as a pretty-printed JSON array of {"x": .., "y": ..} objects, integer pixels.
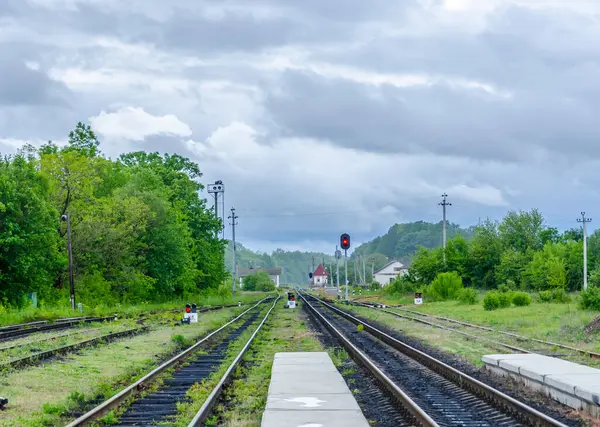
[{"x": 345, "y": 241}]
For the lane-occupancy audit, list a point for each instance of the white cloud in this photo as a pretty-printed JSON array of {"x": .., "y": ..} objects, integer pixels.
[{"x": 135, "y": 124}]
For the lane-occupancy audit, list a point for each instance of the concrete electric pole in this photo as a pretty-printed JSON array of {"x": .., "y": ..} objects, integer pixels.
[
  {"x": 338, "y": 255},
  {"x": 233, "y": 217},
  {"x": 216, "y": 189},
  {"x": 584, "y": 221},
  {"x": 67, "y": 219},
  {"x": 444, "y": 203}
]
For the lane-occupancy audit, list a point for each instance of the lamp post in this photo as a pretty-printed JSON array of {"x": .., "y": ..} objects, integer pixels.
[{"x": 67, "y": 219}]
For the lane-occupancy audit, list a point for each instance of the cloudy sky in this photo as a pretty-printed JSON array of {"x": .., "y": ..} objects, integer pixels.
[{"x": 325, "y": 116}]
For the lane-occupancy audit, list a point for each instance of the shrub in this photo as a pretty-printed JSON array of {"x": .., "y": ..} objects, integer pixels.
[
  {"x": 504, "y": 299},
  {"x": 545, "y": 296},
  {"x": 554, "y": 296},
  {"x": 400, "y": 286},
  {"x": 590, "y": 299},
  {"x": 521, "y": 299},
  {"x": 491, "y": 301},
  {"x": 468, "y": 296},
  {"x": 560, "y": 296},
  {"x": 507, "y": 287},
  {"x": 445, "y": 286}
]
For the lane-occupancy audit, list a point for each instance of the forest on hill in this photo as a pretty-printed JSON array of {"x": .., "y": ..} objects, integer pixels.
[
  {"x": 140, "y": 231},
  {"x": 402, "y": 241}
]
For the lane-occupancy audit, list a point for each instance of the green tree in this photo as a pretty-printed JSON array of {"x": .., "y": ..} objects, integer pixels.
[
  {"x": 522, "y": 230},
  {"x": 485, "y": 251},
  {"x": 29, "y": 243},
  {"x": 259, "y": 281}
]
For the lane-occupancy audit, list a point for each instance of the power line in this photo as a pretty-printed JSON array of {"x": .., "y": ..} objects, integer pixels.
[{"x": 294, "y": 215}]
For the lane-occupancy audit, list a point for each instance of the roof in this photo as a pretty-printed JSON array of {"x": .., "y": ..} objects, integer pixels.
[
  {"x": 388, "y": 264},
  {"x": 320, "y": 271},
  {"x": 243, "y": 272}
]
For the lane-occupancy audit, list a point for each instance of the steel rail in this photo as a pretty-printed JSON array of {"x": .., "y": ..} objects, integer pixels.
[
  {"x": 437, "y": 325},
  {"x": 38, "y": 357},
  {"x": 139, "y": 385},
  {"x": 509, "y": 404},
  {"x": 211, "y": 400},
  {"x": 589, "y": 353},
  {"x": 61, "y": 325},
  {"x": 411, "y": 407}
]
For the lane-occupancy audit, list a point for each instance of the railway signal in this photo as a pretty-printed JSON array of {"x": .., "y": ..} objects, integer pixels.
[
  {"x": 345, "y": 241},
  {"x": 345, "y": 244},
  {"x": 291, "y": 303}
]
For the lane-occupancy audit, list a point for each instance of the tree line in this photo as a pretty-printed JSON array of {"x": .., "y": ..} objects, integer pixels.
[
  {"x": 140, "y": 231},
  {"x": 520, "y": 251}
]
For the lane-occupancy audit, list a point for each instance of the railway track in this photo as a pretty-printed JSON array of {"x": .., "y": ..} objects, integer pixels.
[
  {"x": 187, "y": 368},
  {"x": 39, "y": 355},
  {"x": 526, "y": 344},
  {"x": 17, "y": 331},
  {"x": 431, "y": 392}
]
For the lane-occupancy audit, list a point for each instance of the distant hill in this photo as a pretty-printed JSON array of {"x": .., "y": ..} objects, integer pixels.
[
  {"x": 402, "y": 240},
  {"x": 296, "y": 264}
]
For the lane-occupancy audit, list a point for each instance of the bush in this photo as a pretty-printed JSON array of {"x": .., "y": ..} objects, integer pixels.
[
  {"x": 400, "y": 286},
  {"x": 554, "y": 296},
  {"x": 560, "y": 296},
  {"x": 590, "y": 299},
  {"x": 545, "y": 296},
  {"x": 505, "y": 299},
  {"x": 521, "y": 299},
  {"x": 468, "y": 296},
  {"x": 491, "y": 301},
  {"x": 445, "y": 286},
  {"x": 507, "y": 287}
]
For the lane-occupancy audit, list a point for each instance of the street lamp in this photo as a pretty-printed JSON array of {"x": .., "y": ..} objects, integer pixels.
[{"x": 67, "y": 219}]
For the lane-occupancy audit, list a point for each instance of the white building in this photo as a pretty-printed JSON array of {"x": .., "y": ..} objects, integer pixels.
[{"x": 389, "y": 272}]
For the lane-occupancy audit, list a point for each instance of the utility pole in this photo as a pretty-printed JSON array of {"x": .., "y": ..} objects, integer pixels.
[
  {"x": 584, "y": 220},
  {"x": 444, "y": 203},
  {"x": 233, "y": 217},
  {"x": 313, "y": 264},
  {"x": 365, "y": 272},
  {"x": 216, "y": 189},
  {"x": 67, "y": 219},
  {"x": 338, "y": 255},
  {"x": 346, "y": 268}
]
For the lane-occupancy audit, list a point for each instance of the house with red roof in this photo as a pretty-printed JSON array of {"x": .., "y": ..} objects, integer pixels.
[{"x": 320, "y": 276}]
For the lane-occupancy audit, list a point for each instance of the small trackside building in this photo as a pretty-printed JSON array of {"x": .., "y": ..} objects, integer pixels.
[
  {"x": 320, "y": 277},
  {"x": 389, "y": 272}
]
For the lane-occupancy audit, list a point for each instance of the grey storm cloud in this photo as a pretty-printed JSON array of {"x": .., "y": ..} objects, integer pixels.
[
  {"x": 439, "y": 119},
  {"x": 22, "y": 85},
  {"x": 507, "y": 113}
]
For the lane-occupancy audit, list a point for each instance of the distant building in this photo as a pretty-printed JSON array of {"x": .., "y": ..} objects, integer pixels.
[
  {"x": 389, "y": 272},
  {"x": 320, "y": 277},
  {"x": 274, "y": 274}
]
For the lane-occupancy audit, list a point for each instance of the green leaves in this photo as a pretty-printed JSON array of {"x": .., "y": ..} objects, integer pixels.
[{"x": 140, "y": 231}]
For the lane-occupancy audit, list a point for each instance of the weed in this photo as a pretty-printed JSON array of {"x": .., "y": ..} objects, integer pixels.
[{"x": 360, "y": 327}]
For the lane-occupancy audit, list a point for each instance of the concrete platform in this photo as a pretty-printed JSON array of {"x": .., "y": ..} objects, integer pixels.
[
  {"x": 575, "y": 385},
  {"x": 307, "y": 390}
]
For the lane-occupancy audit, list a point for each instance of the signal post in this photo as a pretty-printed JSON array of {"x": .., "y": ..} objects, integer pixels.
[{"x": 345, "y": 244}]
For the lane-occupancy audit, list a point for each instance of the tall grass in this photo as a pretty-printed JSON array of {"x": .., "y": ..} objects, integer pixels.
[{"x": 9, "y": 316}]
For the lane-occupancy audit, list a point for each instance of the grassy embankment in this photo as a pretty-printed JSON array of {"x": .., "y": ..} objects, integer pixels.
[
  {"x": 30, "y": 314},
  {"x": 44, "y": 395},
  {"x": 560, "y": 323}
]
